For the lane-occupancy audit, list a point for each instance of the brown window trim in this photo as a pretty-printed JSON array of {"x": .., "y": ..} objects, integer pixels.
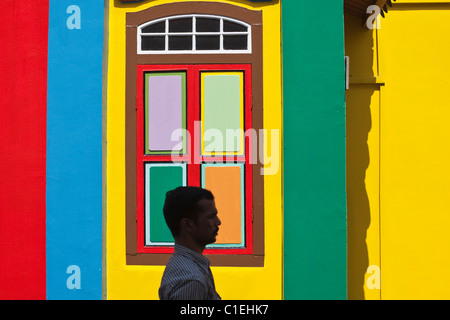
[{"x": 133, "y": 21}]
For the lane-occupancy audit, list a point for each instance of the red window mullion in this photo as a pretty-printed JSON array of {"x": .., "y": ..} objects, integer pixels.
[
  {"x": 139, "y": 158},
  {"x": 248, "y": 166},
  {"x": 194, "y": 128}
]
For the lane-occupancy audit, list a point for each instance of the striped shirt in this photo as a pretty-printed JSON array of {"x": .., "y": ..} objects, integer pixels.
[{"x": 187, "y": 277}]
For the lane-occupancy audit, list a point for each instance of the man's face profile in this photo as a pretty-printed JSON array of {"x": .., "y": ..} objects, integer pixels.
[{"x": 207, "y": 224}]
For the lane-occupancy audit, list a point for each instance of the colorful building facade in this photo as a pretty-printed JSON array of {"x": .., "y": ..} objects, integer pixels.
[{"x": 106, "y": 106}]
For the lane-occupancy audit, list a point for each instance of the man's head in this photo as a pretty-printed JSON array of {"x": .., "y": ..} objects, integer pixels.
[{"x": 192, "y": 211}]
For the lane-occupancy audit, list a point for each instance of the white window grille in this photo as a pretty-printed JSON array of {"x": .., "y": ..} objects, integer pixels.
[{"x": 194, "y": 34}]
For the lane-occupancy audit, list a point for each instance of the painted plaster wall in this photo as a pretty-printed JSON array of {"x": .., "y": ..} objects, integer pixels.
[
  {"x": 22, "y": 157},
  {"x": 398, "y": 154},
  {"x": 315, "y": 237},
  {"x": 142, "y": 282},
  {"x": 74, "y": 150},
  {"x": 51, "y": 166},
  {"x": 414, "y": 60}
]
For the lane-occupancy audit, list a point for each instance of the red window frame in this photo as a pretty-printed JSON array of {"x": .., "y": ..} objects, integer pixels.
[{"x": 193, "y": 157}]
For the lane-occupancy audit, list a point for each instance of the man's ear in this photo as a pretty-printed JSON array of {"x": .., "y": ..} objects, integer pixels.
[{"x": 186, "y": 224}]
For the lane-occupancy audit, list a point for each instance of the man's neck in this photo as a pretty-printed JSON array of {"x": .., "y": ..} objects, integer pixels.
[{"x": 190, "y": 245}]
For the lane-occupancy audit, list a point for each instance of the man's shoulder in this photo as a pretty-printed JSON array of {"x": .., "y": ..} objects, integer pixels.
[
  {"x": 182, "y": 276},
  {"x": 182, "y": 267}
]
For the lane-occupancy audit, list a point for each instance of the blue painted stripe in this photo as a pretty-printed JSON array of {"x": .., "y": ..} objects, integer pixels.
[{"x": 74, "y": 150}]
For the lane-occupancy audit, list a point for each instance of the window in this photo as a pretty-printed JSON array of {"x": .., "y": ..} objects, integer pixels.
[
  {"x": 194, "y": 34},
  {"x": 189, "y": 120},
  {"x": 169, "y": 121}
]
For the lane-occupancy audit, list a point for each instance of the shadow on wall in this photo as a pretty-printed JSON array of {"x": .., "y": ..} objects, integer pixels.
[{"x": 359, "y": 47}]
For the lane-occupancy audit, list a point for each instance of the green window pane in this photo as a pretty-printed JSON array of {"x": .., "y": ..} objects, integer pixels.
[{"x": 160, "y": 178}]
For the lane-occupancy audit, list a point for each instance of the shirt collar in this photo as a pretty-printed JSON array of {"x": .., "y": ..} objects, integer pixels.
[{"x": 191, "y": 254}]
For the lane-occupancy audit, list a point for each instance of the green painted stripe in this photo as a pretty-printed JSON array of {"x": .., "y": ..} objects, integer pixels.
[{"x": 315, "y": 249}]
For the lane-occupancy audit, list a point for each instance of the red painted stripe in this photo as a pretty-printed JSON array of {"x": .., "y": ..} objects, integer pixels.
[{"x": 23, "y": 104}]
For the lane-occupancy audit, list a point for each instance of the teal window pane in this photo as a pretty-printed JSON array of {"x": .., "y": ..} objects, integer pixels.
[{"x": 160, "y": 178}]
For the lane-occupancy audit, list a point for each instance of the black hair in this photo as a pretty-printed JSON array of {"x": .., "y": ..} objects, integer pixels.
[{"x": 182, "y": 203}]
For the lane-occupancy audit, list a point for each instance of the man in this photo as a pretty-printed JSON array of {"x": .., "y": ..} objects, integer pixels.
[{"x": 191, "y": 216}]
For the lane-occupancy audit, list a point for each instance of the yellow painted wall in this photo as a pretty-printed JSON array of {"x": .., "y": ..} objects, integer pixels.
[
  {"x": 415, "y": 153},
  {"x": 142, "y": 282},
  {"x": 407, "y": 150}
]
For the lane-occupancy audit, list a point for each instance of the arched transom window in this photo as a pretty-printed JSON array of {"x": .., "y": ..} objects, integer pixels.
[{"x": 194, "y": 34}]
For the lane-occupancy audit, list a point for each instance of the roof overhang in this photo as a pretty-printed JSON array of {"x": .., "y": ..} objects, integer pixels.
[
  {"x": 356, "y": 7},
  {"x": 360, "y": 7}
]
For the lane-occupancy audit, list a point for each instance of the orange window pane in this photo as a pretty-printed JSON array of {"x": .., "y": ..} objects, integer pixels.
[{"x": 226, "y": 183}]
